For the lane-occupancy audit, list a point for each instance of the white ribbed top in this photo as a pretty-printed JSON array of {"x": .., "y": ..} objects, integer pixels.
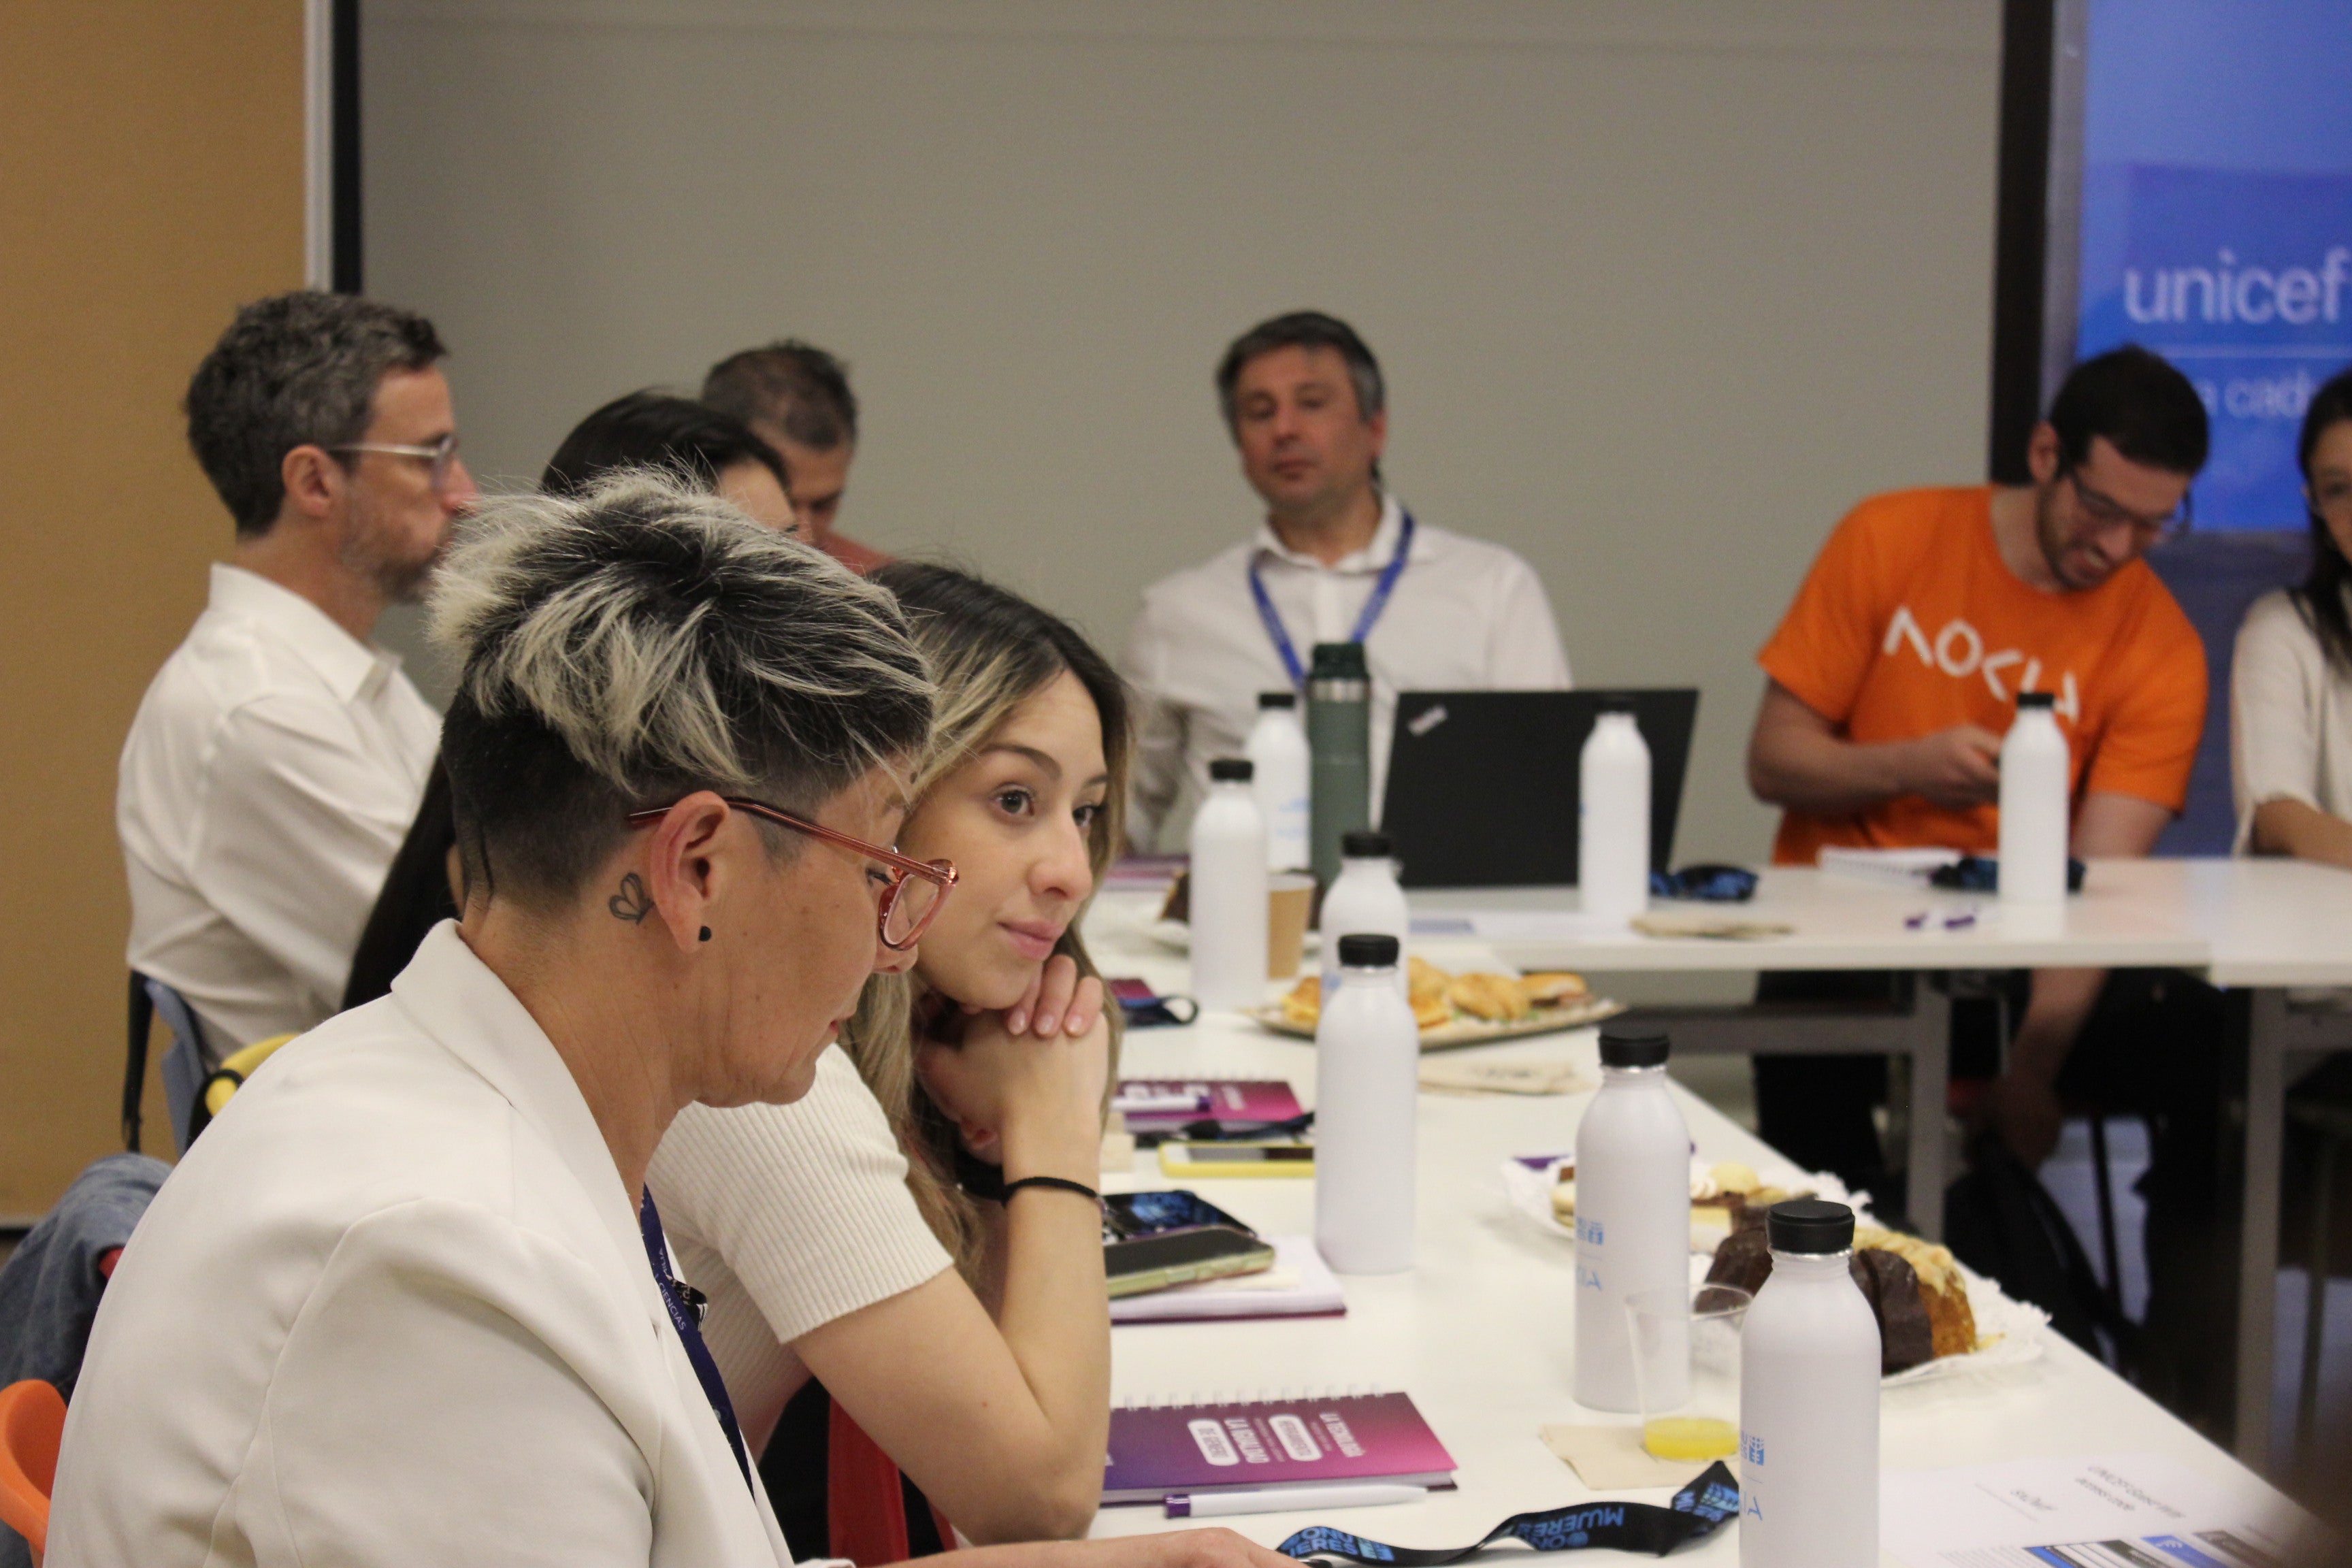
[{"x": 788, "y": 1216}]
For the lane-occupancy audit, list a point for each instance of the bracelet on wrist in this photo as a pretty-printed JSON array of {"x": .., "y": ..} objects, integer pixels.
[{"x": 1057, "y": 1183}]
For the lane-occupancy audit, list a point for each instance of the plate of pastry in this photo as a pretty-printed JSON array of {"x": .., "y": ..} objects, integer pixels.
[
  {"x": 1936, "y": 1318},
  {"x": 1470, "y": 1009}
]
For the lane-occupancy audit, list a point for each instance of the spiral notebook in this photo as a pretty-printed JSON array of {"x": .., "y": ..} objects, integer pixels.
[{"x": 1306, "y": 1441}]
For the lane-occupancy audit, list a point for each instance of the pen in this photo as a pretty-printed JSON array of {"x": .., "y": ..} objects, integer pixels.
[{"x": 1287, "y": 1499}]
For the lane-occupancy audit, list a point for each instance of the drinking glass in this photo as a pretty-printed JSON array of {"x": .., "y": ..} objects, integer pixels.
[{"x": 1686, "y": 1369}]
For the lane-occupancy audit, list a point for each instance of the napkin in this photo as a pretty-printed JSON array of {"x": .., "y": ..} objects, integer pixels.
[
  {"x": 1612, "y": 1459},
  {"x": 1454, "y": 1075}
]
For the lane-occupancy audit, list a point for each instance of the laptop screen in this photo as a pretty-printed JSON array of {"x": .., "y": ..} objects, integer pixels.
[{"x": 1483, "y": 785}]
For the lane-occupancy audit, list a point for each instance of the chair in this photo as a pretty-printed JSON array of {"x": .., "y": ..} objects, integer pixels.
[
  {"x": 184, "y": 1061},
  {"x": 32, "y": 1421},
  {"x": 866, "y": 1501},
  {"x": 227, "y": 1079}
]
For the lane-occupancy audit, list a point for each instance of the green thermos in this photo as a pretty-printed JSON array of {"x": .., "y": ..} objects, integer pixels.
[{"x": 1339, "y": 737}]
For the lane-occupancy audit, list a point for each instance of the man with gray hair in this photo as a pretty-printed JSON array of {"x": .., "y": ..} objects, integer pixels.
[
  {"x": 1338, "y": 559},
  {"x": 279, "y": 754},
  {"x": 796, "y": 396}
]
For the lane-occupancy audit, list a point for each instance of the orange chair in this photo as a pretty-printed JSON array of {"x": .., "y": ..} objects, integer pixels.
[{"x": 32, "y": 1421}]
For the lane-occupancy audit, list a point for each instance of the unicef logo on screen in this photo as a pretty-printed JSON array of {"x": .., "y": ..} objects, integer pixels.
[{"x": 2244, "y": 280}]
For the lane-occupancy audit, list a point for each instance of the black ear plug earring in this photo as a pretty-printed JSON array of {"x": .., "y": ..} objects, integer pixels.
[{"x": 706, "y": 933}]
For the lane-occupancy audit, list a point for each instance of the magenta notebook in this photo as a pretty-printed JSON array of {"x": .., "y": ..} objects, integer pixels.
[
  {"x": 1271, "y": 1443},
  {"x": 1230, "y": 1100}
]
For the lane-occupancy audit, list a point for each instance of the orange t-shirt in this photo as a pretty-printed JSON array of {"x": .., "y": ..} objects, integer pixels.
[{"x": 1910, "y": 622}]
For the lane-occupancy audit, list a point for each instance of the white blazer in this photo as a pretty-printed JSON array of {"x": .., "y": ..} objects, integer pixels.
[{"x": 395, "y": 1309}]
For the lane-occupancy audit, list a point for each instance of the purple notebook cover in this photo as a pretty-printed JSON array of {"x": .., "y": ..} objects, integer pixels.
[
  {"x": 1227, "y": 1099},
  {"x": 1271, "y": 1443}
]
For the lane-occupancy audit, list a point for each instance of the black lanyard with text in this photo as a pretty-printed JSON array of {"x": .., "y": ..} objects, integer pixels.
[
  {"x": 1698, "y": 1510},
  {"x": 1364, "y": 623}
]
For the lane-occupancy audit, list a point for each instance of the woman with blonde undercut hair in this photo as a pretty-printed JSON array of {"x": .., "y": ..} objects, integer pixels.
[
  {"x": 983, "y": 1368},
  {"x": 408, "y": 1300}
]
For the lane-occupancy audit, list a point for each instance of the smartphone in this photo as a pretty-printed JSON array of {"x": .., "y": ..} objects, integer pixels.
[
  {"x": 1127, "y": 1215},
  {"x": 1182, "y": 1159},
  {"x": 1153, "y": 1240}
]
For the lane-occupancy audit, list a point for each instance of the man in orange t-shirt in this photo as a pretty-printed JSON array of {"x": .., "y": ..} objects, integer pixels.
[{"x": 1894, "y": 675}]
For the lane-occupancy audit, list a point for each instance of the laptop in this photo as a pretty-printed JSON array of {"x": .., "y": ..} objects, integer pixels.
[{"x": 1483, "y": 785}]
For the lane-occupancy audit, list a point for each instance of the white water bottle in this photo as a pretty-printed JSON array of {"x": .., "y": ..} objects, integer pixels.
[
  {"x": 1229, "y": 891},
  {"x": 1613, "y": 844},
  {"x": 1367, "y": 1081},
  {"x": 1365, "y": 900},
  {"x": 1277, "y": 748},
  {"x": 1632, "y": 1209},
  {"x": 2033, "y": 790},
  {"x": 1809, "y": 1401}
]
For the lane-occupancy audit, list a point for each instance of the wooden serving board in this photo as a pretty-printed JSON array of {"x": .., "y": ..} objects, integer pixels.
[{"x": 1467, "y": 1031}]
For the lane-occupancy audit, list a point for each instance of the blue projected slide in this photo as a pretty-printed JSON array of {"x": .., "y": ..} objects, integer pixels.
[{"x": 2217, "y": 219}]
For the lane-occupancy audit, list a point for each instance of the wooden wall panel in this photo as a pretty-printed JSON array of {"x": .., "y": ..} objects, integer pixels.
[{"x": 152, "y": 180}]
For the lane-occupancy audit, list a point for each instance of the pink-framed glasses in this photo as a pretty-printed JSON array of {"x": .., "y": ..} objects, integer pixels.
[{"x": 916, "y": 891}]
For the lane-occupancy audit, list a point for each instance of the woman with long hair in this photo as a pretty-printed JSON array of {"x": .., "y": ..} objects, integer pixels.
[
  {"x": 983, "y": 1373},
  {"x": 2291, "y": 685}
]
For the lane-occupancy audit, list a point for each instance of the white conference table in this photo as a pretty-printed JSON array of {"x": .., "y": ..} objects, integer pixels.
[
  {"x": 2130, "y": 914},
  {"x": 2272, "y": 927},
  {"x": 1480, "y": 1332},
  {"x": 2268, "y": 926}
]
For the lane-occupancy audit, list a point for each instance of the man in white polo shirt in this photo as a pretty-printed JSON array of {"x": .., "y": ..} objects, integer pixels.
[
  {"x": 279, "y": 754},
  {"x": 1339, "y": 559}
]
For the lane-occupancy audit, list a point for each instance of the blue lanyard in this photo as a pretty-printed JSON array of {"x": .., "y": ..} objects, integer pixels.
[
  {"x": 689, "y": 1332},
  {"x": 1372, "y": 606}
]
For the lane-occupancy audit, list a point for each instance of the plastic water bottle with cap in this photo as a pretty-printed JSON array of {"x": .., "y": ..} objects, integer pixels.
[
  {"x": 2033, "y": 788},
  {"x": 1228, "y": 891},
  {"x": 1367, "y": 1084},
  {"x": 1277, "y": 748},
  {"x": 1809, "y": 1360},
  {"x": 1366, "y": 898},
  {"x": 1632, "y": 1209},
  {"x": 1340, "y": 740},
  {"x": 1612, "y": 841}
]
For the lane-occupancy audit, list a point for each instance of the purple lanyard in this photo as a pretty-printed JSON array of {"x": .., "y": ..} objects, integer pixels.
[
  {"x": 1372, "y": 606},
  {"x": 689, "y": 1332}
]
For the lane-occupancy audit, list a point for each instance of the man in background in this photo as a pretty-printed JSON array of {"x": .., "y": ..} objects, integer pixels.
[
  {"x": 1338, "y": 559},
  {"x": 796, "y": 397},
  {"x": 1890, "y": 684},
  {"x": 279, "y": 756}
]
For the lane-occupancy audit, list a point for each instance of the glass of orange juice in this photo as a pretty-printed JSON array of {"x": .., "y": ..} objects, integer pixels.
[{"x": 1686, "y": 1369}]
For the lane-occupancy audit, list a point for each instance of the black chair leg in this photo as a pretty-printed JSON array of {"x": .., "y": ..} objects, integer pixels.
[
  {"x": 2314, "y": 1300},
  {"x": 2105, "y": 1182}
]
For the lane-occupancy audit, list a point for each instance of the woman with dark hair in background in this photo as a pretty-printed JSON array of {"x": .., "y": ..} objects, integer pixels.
[
  {"x": 2290, "y": 686},
  {"x": 710, "y": 451},
  {"x": 987, "y": 1382}
]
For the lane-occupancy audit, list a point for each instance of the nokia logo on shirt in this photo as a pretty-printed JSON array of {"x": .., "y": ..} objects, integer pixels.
[{"x": 1959, "y": 650}]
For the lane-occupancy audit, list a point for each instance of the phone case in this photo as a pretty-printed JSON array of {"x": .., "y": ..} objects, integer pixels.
[{"x": 1213, "y": 1159}]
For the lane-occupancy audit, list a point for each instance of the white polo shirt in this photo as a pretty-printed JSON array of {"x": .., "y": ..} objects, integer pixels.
[
  {"x": 1465, "y": 616},
  {"x": 268, "y": 779}
]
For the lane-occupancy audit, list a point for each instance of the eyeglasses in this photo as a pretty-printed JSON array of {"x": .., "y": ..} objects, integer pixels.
[
  {"x": 441, "y": 453},
  {"x": 2106, "y": 513},
  {"x": 917, "y": 887}
]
